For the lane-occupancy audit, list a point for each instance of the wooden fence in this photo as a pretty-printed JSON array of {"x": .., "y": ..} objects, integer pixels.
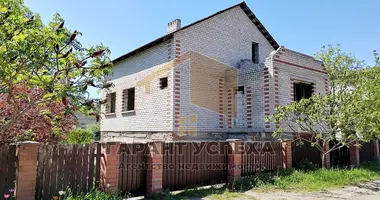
[
  {"x": 8, "y": 162},
  {"x": 261, "y": 156},
  {"x": 305, "y": 152},
  {"x": 132, "y": 178},
  {"x": 186, "y": 165},
  {"x": 67, "y": 166},
  {"x": 367, "y": 152}
]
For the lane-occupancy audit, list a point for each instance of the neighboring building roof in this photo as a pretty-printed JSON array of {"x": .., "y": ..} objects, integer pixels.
[{"x": 169, "y": 36}]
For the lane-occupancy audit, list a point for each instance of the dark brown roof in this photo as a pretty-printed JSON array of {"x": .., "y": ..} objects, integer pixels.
[{"x": 169, "y": 36}]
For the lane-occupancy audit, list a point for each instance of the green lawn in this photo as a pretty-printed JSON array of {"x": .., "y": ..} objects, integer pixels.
[{"x": 285, "y": 180}]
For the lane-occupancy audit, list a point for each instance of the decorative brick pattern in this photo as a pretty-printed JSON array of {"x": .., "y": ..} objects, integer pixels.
[
  {"x": 248, "y": 106},
  {"x": 267, "y": 98},
  {"x": 177, "y": 50},
  {"x": 27, "y": 171},
  {"x": 221, "y": 103},
  {"x": 230, "y": 110},
  {"x": 177, "y": 98}
]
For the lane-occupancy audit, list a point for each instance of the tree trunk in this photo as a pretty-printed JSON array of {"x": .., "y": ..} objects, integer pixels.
[{"x": 323, "y": 159}]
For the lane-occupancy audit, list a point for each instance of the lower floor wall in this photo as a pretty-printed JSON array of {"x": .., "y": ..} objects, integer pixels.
[{"x": 134, "y": 136}]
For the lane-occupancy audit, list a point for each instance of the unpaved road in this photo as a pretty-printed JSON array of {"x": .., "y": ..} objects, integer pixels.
[{"x": 363, "y": 191}]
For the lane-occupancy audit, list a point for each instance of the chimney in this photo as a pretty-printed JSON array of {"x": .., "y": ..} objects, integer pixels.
[{"x": 174, "y": 25}]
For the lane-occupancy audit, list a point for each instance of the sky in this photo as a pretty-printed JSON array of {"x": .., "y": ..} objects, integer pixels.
[{"x": 300, "y": 25}]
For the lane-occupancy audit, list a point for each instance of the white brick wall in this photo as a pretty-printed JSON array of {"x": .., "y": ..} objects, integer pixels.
[
  {"x": 228, "y": 39},
  {"x": 152, "y": 108}
]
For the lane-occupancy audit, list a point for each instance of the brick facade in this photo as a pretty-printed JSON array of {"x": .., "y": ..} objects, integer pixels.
[{"x": 196, "y": 61}]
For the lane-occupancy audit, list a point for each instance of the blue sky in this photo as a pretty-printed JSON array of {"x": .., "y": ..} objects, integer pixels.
[{"x": 301, "y": 25}]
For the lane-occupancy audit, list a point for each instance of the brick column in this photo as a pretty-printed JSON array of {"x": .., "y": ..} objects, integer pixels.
[
  {"x": 327, "y": 157},
  {"x": 235, "y": 152},
  {"x": 354, "y": 155},
  {"x": 377, "y": 153},
  {"x": 155, "y": 169},
  {"x": 26, "y": 170},
  {"x": 110, "y": 167},
  {"x": 287, "y": 155}
]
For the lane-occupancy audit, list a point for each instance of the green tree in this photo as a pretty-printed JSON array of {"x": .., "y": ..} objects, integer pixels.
[
  {"x": 339, "y": 118},
  {"x": 48, "y": 58}
]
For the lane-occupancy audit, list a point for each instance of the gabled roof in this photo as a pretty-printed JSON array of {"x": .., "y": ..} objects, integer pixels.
[{"x": 169, "y": 36}]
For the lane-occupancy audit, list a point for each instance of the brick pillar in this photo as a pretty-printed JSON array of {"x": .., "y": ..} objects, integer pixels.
[
  {"x": 354, "y": 155},
  {"x": 155, "y": 168},
  {"x": 287, "y": 155},
  {"x": 110, "y": 167},
  {"x": 235, "y": 152},
  {"x": 377, "y": 153},
  {"x": 26, "y": 170},
  {"x": 327, "y": 157}
]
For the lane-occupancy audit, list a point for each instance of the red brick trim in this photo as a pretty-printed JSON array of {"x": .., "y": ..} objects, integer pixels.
[
  {"x": 249, "y": 107},
  {"x": 177, "y": 98},
  {"x": 229, "y": 108},
  {"x": 300, "y": 66},
  {"x": 266, "y": 94},
  {"x": 221, "y": 103}
]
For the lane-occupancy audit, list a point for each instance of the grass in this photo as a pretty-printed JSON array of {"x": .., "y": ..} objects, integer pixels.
[
  {"x": 284, "y": 180},
  {"x": 92, "y": 195}
]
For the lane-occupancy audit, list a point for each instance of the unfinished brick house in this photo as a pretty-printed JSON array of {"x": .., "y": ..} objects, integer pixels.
[{"x": 215, "y": 79}]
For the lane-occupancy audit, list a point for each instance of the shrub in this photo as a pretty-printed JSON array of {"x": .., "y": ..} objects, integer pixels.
[{"x": 79, "y": 136}]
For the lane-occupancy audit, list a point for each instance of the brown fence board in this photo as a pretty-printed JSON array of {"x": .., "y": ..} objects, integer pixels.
[
  {"x": 8, "y": 162},
  {"x": 261, "y": 156},
  {"x": 132, "y": 169},
  {"x": 190, "y": 169},
  {"x": 97, "y": 168},
  {"x": 65, "y": 166}
]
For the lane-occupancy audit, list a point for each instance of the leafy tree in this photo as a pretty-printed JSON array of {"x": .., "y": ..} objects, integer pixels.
[
  {"x": 48, "y": 58},
  {"x": 339, "y": 118},
  {"x": 45, "y": 123}
]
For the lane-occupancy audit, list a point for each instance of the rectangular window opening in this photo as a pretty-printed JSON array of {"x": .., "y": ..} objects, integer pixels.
[
  {"x": 131, "y": 99},
  {"x": 255, "y": 52},
  {"x": 241, "y": 89},
  {"x": 112, "y": 98},
  {"x": 302, "y": 91},
  {"x": 163, "y": 83}
]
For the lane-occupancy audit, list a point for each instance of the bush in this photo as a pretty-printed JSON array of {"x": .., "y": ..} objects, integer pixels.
[{"x": 79, "y": 136}]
